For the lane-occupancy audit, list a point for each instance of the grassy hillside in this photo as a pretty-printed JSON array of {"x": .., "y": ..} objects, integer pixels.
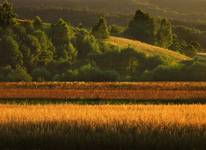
[{"x": 148, "y": 49}]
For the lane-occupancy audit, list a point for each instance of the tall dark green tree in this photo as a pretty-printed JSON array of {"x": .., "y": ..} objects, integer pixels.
[
  {"x": 31, "y": 49},
  {"x": 86, "y": 44},
  {"x": 47, "y": 49},
  {"x": 9, "y": 52},
  {"x": 7, "y": 14},
  {"x": 164, "y": 35},
  {"x": 100, "y": 30},
  {"x": 61, "y": 35},
  {"x": 151, "y": 30},
  {"x": 142, "y": 27},
  {"x": 38, "y": 23}
]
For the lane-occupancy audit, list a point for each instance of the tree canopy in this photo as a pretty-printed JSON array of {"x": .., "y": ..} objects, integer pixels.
[
  {"x": 7, "y": 14},
  {"x": 100, "y": 30}
]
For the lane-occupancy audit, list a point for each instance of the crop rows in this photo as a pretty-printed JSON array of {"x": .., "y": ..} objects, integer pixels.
[{"x": 82, "y": 90}]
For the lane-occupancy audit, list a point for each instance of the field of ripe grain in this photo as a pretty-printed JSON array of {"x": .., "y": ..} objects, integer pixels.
[
  {"x": 108, "y": 91},
  {"x": 179, "y": 127}
]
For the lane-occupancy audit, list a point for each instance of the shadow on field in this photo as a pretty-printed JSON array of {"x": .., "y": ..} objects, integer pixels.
[
  {"x": 67, "y": 135},
  {"x": 99, "y": 101}
]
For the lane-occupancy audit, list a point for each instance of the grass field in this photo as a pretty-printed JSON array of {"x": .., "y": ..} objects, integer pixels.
[
  {"x": 109, "y": 91},
  {"x": 147, "y": 49},
  {"x": 80, "y": 115},
  {"x": 62, "y": 127}
]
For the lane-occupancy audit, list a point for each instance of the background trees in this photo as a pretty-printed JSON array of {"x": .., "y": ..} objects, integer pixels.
[
  {"x": 9, "y": 52},
  {"x": 86, "y": 44},
  {"x": 7, "y": 14},
  {"x": 142, "y": 27},
  {"x": 151, "y": 30},
  {"x": 32, "y": 50},
  {"x": 100, "y": 30},
  {"x": 61, "y": 34}
]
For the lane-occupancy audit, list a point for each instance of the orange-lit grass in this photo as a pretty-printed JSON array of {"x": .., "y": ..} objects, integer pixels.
[
  {"x": 103, "y": 127},
  {"x": 145, "y": 48}
]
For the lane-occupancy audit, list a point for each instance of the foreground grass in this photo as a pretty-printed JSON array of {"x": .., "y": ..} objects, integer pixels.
[{"x": 103, "y": 127}]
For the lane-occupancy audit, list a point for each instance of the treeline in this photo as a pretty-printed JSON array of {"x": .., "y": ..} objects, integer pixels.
[
  {"x": 32, "y": 50},
  {"x": 87, "y": 18},
  {"x": 160, "y": 32}
]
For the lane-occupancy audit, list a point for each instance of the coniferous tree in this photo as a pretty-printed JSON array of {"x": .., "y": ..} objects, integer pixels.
[
  {"x": 61, "y": 35},
  {"x": 165, "y": 35},
  {"x": 38, "y": 23},
  {"x": 151, "y": 30},
  {"x": 7, "y": 14},
  {"x": 142, "y": 27},
  {"x": 86, "y": 43},
  {"x": 100, "y": 30},
  {"x": 9, "y": 52}
]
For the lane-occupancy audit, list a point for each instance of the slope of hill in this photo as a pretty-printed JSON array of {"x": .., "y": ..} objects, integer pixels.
[{"x": 148, "y": 49}]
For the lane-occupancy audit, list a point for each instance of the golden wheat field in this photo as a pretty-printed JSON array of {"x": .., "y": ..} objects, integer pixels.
[
  {"x": 83, "y": 90},
  {"x": 103, "y": 127}
]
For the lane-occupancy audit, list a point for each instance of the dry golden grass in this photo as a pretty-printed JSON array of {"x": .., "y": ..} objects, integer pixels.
[
  {"x": 103, "y": 127},
  {"x": 91, "y": 90},
  {"x": 158, "y": 115},
  {"x": 146, "y": 48}
]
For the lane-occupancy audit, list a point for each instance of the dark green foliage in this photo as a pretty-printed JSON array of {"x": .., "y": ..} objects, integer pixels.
[
  {"x": 47, "y": 48},
  {"x": 41, "y": 74},
  {"x": 151, "y": 30},
  {"x": 89, "y": 72},
  {"x": 164, "y": 35},
  {"x": 128, "y": 62},
  {"x": 38, "y": 51},
  {"x": 38, "y": 23},
  {"x": 100, "y": 30},
  {"x": 32, "y": 49},
  {"x": 7, "y": 14},
  {"x": 85, "y": 43},
  {"x": 5, "y": 70},
  {"x": 9, "y": 51},
  {"x": 194, "y": 72},
  {"x": 190, "y": 34},
  {"x": 17, "y": 74},
  {"x": 166, "y": 73},
  {"x": 188, "y": 71},
  {"x": 188, "y": 48},
  {"x": 116, "y": 30},
  {"x": 142, "y": 27},
  {"x": 61, "y": 35},
  {"x": 177, "y": 44}
]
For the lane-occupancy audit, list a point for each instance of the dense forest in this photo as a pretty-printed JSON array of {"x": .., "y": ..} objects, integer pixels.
[{"x": 37, "y": 50}]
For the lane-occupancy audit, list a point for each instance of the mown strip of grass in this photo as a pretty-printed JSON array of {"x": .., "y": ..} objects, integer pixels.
[{"x": 99, "y": 101}]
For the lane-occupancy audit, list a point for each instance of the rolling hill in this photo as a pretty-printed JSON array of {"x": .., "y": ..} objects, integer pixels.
[{"x": 147, "y": 49}]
